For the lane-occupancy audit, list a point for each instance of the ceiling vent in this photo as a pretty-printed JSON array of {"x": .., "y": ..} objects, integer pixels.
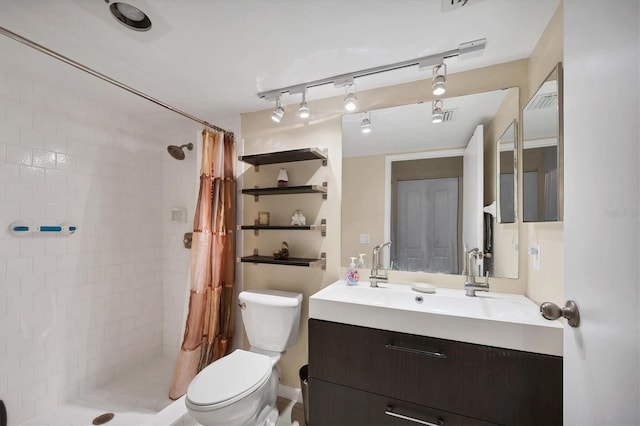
[
  {"x": 448, "y": 114},
  {"x": 449, "y": 5},
  {"x": 543, "y": 101}
]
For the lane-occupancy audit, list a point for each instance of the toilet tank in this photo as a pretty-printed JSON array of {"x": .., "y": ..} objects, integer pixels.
[{"x": 271, "y": 318}]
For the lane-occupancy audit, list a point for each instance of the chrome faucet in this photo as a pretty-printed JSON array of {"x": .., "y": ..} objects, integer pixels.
[
  {"x": 378, "y": 271},
  {"x": 470, "y": 284}
]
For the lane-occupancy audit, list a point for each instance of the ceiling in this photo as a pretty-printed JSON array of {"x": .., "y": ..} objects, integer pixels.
[{"x": 209, "y": 58}]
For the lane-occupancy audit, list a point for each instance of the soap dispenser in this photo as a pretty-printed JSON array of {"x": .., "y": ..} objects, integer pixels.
[
  {"x": 353, "y": 275},
  {"x": 361, "y": 264}
]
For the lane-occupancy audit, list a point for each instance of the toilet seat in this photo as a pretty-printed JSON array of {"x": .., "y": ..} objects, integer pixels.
[{"x": 228, "y": 380}]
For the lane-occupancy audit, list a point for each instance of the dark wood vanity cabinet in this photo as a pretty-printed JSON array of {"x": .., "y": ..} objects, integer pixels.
[{"x": 364, "y": 376}]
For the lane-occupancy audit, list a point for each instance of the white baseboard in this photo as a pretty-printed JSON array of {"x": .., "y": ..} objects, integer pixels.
[{"x": 292, "y": 394}]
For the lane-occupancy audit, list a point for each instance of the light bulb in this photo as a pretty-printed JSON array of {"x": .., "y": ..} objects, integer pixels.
[
  {"x": 277, "y": 114},
  {"x": 350, "y": 102},
  {"x": 439, "y": 85},
  {"x": 365, "y": 126},
  {"x": 437, "y": 116},
  {"x": 304, "y": 111}
]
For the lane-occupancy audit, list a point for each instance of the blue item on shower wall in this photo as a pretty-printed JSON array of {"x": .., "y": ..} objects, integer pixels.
[{"x": 21, "y": 229}]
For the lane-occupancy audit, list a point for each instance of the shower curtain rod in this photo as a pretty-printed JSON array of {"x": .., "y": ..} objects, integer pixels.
[{"x": 108, "y": 79}]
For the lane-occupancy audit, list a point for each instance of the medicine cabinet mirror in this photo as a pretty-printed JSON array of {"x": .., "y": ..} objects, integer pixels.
[
  {"x": 420, "y": 184},
  {"x": 507, "y": 174},
  {"x": 542, "y": 152}
]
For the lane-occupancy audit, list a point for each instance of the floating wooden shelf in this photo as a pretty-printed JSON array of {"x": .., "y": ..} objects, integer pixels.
[
  {"x": 303, "y": 154},
  {"x": 280, "y": 190},
  {"x": 292, "y": 261},
  {"x": 322, "y": 227}
]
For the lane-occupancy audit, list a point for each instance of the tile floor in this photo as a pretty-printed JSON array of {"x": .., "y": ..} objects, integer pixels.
[{"x": 137, "y": 397}]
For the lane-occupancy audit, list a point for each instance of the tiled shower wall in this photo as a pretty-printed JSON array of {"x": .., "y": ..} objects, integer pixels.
[{"x": 76, "y": 310}]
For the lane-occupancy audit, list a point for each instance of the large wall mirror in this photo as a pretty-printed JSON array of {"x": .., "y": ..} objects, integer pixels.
[
  {"x": 507, "y": 174},
  {"x": 420, "y": 184},
  {"x": 542, "y": 152}
]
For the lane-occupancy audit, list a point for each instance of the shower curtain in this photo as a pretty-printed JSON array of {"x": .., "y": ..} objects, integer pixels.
[{"x": 209, "y": 324}]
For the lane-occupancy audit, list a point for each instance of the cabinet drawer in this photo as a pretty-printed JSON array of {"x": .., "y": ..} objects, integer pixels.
[
  {"x": 332, "y": 404},
  {"x": 498, "y": 385}
]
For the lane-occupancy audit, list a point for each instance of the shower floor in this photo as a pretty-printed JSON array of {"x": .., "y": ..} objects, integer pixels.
[{"x": 134, "y": 397}]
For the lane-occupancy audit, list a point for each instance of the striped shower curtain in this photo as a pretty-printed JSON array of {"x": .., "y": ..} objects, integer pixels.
[{"x": 209, "y": 325}]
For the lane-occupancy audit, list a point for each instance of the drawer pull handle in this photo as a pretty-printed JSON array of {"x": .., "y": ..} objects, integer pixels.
[
  {"x": 390, "y": 412},
  {"x": 416, "y": 351}
]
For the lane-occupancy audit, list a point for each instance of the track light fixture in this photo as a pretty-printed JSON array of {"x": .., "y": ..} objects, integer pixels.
[
  {"x": 350, "y": 100},
  {"x": 365, "y": 123},
  {"x": 439, "y": 79},
  {"x": 278, "y": 113},
  {"x": 303, "y": 111},
  {"x": 436, "y": 61},
  {"x": 437, "y": 115}
]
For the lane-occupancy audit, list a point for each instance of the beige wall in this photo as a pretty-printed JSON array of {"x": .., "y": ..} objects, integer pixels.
[
  {"x": 260, "y": 134},
  {"x": 362, "y": 205}
]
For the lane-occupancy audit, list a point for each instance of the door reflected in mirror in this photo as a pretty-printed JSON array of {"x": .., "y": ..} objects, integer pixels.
[
  {"x": 420, "y": 184},
  {"x": 542, "y": 152},
  {"x": 507, "y": 180}
]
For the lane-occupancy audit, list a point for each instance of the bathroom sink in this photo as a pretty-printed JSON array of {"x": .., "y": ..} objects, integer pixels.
[{"x": 493, "y": 319}]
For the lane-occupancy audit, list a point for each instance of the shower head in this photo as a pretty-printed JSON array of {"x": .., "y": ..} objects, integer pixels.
[{"x": 177, "y": 152}]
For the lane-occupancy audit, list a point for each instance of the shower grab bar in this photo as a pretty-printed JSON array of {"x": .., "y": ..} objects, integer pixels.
[{"x": 21, "y": 229}]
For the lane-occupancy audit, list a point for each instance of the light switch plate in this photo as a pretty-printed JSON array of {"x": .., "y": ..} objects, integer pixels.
[{"x": 364, "y": 238}]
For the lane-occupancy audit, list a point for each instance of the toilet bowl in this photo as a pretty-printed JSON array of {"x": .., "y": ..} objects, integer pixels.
[{"x": 241, "y": 388}]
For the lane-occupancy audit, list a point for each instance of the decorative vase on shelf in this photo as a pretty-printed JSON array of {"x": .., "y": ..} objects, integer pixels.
[{"x": 283, "y": 178}]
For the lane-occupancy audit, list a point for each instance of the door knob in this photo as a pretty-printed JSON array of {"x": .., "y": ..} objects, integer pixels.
[{"x": 551, "y": 311}]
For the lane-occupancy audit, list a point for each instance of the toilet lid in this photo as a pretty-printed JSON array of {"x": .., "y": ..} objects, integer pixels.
[{"x": 229, "y": 378}]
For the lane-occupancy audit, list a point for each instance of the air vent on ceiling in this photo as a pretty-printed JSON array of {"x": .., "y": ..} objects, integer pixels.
[
  {"x": 449, "y": 5},
  {"x": 448, "y": 114},
  {"x": 543, "y": 101}
]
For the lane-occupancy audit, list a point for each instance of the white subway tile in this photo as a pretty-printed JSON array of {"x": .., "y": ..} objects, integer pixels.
[
  {"x": 55, "y": 177},
  {"x": 31, "y": 138},
  {"x": 32, "y": 175},
  {"x": 9, "y": 133},
  {"x": 16, "y": 154},
  {"x": 44, "y": 194},
  {"x": 55, "y": 212},
  {"x": 45, "y": 159},
  {"x": 56, "y": 246},
  {"x": 66, "y": 162},
  {"x": 31, "y": 247},
  {"x": 19, "y": 193},
  {"x": 2, "y": 152},
  {"x": 19, "y": 116},
  {"x": 45, "y": 125},
  {"x": 9, "y": 288},
  {"x": 19, "y": 266},
  {"x": 9, "y": 173},
  {"x": 55, "y": 143},
  {"x": 44, "y": 264},
  {"x": 9, "y": 248}
]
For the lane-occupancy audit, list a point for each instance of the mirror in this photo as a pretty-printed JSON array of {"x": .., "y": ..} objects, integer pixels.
[
  {"x": 542, "y": 152},
  {"x": 507, "y": 176},
  {"x": 420, "y": 184}
]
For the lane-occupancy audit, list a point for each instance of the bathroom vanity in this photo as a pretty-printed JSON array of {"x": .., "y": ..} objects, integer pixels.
[{"x": 360, "y": 374}]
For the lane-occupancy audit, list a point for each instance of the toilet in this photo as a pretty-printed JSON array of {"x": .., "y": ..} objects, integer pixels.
[{"x": 241, "y": 388}]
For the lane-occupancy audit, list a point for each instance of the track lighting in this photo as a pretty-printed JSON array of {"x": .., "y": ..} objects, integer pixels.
[
  {"x": 303, "y": 111},
  {"x": 439, "y": 80},
  {"x": 436, "y": 111},
  {"x": 278, "y": 113},
  {"x": 350, "y": 100},
  {"x": 434, "y": 61},
  {"x": 365, "y": 123}
]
